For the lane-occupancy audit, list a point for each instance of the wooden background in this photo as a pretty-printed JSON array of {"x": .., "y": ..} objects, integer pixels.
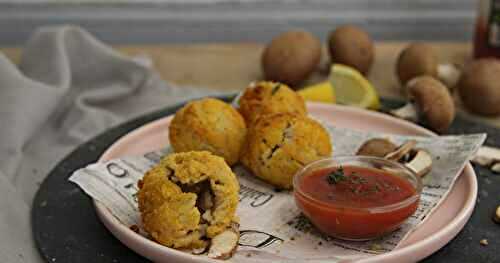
[
  {"x": 230, "y": 67},
  {"x": 174, "y": 21},
  {"x": 217, "y": 43}
]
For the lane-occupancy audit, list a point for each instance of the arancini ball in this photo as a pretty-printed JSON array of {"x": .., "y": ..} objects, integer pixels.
[
  {"x": 208, "y": 125},
  {"x": 279, "y": 145},
  {"x": 267, "y": 97}
]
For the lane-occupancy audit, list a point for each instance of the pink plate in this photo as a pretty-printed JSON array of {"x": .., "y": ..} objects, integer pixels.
[{"x": 434, "y": 233}]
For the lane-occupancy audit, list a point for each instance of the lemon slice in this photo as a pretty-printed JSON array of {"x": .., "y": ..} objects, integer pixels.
[
  {"x": 321, "y": 92},
  {"x": 351, "y": 88}
]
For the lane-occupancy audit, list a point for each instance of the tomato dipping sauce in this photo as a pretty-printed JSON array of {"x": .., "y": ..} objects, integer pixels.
[{"x": 357, "y": 201}]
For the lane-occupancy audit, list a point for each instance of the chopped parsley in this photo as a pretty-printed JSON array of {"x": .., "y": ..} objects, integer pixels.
[{"x": 336, "y": 176}]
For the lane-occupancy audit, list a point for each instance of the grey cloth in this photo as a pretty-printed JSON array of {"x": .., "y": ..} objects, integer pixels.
[{"x": 68, "y": 88}]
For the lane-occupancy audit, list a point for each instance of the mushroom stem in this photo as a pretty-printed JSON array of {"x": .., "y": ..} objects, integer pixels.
[
  {"x": 421, "y": 164},
  {"x": 408, "y": 112},
  {"x": 417, "y": 160},
  {"x": 449, "y": 74}
]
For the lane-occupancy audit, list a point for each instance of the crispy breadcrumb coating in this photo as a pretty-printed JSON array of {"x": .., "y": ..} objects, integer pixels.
[
  {"x": 279, "y": 145},
  {"x": 208, "y": 125},
  {"x": 188, "y": 198},
  {"x": 266, "y": 97}
]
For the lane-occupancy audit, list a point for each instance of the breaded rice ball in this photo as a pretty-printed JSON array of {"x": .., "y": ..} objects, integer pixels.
[
  {"x": 267, "y": 97},
  {"x": 281, "y": 144},
  {"x": 188, "y": 198},
  {"x": 208, "y": 125}
]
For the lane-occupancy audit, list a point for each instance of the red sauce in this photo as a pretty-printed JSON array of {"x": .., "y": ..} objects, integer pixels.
[{"x": 348, "y": 208}]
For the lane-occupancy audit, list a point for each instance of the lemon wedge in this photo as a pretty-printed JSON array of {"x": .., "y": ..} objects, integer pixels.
[
  {"x": 351, "y": 88},
  {"x": 321, "y": 92}
]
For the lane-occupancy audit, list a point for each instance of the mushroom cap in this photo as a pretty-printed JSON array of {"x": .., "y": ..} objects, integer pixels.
[
  {"x": 378, "y": 147},
  {"x": 351, "y": 46},
  {"x": 416, "y": 60},
  {"x": 433, "y": 100},
  {"x": 479, "y": 86},
  {"x": 291, "y": 57}
]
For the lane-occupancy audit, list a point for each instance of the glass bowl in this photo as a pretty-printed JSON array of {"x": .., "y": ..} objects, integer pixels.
[{"x": 371, "y": 202}]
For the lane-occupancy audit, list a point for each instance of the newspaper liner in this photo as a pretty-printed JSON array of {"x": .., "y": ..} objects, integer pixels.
[{"x": 272, "y": 228}]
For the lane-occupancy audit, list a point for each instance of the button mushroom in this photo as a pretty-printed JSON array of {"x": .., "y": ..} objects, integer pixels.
[
  {"x": 417, "y": 160},
  {"x": 430, "y": 103},
  {"x": 351, "y": 46},
  {"x": 419, "y": 59},
  {"x": 291, "y": 57},
  {"x": 479, "y": 86}
]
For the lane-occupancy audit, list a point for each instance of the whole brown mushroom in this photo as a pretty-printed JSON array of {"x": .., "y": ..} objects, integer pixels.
[
  {"x": 291, "y": 57},
  {"x": 351, "y": 46},
  {"x": 479, "y": 86},
  {"x": 419, "y": 59},
  {"x": 430, "y": 103}
]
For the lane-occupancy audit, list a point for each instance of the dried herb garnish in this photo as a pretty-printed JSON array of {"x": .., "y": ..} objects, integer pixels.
[
  {"x": 275, "y": 89},
  {"x": 336, "y": 176}
]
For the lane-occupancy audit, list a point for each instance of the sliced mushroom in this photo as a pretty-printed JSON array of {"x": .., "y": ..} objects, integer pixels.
[
  {"x": 488, "y": 157},
  {"x": 377, "y": 147},
  {"x": 483, "y": 242},
  {"x": 420, "y": 162},
  {"x": 430, "y": 103},
  {"x": 401, "y": 151},
  {"x": 199, "y": 251},
  {"x": 224, "y": 244},
  {"x": 496, "y": 216}
]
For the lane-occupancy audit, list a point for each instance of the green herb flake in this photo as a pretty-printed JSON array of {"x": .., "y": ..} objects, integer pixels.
[
  {"x": 336, "y": 176},
  {"x": 275, "y": 89}
]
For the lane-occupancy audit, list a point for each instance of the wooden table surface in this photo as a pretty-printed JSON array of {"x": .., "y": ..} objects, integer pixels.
[{"x": 233, "y": 66}]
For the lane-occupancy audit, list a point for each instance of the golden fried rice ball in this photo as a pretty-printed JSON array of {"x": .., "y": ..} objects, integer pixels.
[
  {"x": 281, "y": 144},
  {"x": 268, "y": 97},
  {"x": 208, "y": 125},
  {"x": 187, "y": 198}
]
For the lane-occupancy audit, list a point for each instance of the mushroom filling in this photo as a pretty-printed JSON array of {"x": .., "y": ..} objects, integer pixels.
[
  {"x": 203, "y": 191},
  {"x": 223, "y": 245},
  {"x": 188, "y": 200}
]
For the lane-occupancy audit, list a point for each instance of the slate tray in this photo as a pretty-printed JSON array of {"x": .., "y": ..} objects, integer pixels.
[{"x": 66, "y": 228}]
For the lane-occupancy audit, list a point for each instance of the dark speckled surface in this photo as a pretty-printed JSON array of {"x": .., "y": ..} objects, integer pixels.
[{"x": 66, "y": 228}]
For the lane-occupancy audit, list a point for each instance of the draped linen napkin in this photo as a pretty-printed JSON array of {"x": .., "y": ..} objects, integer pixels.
[{"x": 68, "y": 88}]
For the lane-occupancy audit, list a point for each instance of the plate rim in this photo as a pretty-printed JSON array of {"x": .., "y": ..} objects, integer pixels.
[{"x": 440, "y": 237}]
